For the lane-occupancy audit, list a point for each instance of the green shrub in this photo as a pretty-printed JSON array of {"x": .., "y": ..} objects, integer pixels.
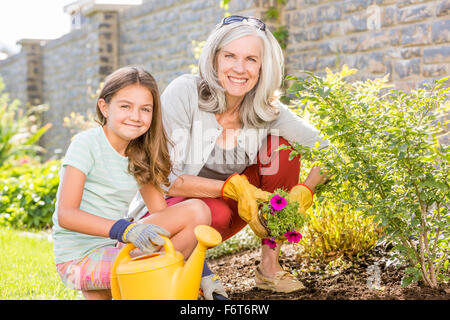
[
  {"x": 19, "y": 131},
  {"x": 386, "y": 161},
  {"x": 28, "y": 193},
  {"x": 334, "y": 231}
]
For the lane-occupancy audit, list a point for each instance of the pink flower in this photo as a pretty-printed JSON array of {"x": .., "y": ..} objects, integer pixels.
[
  {"x": 293, "y": 236},
  {"x": 278, "y": 202},
  {"x": 270, "y": 242},
  {"x": 24, "y": 160}
]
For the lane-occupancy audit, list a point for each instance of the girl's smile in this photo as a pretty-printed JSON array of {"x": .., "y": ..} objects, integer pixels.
[{"x": 129, "y": 115}]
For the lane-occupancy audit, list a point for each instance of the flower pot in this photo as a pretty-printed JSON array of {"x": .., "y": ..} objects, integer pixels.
[
  {"x": 263, "y": 222},
  {"x": 259, "y": 225},
  {"x": 263, "y": 226}
]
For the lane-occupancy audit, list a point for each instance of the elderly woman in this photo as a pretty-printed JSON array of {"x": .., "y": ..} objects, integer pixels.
[{"x": 226, "y": 123}]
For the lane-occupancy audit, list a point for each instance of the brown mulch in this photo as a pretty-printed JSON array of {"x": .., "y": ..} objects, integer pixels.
[{"x": 371, "y": 278}]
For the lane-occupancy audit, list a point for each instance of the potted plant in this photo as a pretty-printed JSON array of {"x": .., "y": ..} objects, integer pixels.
[{"x": 281, "y": 218}]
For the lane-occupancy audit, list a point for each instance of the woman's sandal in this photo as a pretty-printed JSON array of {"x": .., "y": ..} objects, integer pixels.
[{"x": 283, "y": 281}]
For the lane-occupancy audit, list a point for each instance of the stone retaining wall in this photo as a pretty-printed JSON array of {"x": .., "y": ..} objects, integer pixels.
[{"x": 409, "y": 39}]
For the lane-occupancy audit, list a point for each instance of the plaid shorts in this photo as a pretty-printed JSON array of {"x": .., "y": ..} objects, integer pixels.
[{"x": 91, "y": 272}]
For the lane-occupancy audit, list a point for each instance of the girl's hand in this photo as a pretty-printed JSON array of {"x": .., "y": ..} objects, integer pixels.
[{"x": 143, "y": 236}]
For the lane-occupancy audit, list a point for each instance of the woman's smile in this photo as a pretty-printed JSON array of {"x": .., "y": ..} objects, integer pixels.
[
  {"x": 237, "y": 81},
  {"x": 238, "y": 65}
]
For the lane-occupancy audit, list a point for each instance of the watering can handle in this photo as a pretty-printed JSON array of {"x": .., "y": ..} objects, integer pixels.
[
  {"x": 168, "y": 246},
  {"x": 124, "y": 256}
]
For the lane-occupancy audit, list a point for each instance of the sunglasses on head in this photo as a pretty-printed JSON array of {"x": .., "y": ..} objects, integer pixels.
[{"x": 253, "y": 21}]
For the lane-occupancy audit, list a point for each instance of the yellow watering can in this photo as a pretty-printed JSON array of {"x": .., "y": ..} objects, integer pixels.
[{"x": 162, "y": 275}]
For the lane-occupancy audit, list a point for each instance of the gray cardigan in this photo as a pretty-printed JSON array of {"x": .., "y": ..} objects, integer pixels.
[{"x": 194, "y": 131}]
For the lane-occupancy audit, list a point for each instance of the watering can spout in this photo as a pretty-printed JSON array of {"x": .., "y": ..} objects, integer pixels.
[{"x": 190, "y": 276}]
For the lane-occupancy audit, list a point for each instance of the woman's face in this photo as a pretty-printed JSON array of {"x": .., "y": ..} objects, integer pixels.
[{"x": 238, "y": 65}]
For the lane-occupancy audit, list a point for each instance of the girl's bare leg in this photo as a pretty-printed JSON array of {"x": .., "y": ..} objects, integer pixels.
[
  {"x": 97, "y": 294},
  {"x": 180, "y": 220}
]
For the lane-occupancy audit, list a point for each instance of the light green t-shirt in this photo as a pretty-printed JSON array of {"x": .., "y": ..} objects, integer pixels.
[{"x": 108, "y": 191}]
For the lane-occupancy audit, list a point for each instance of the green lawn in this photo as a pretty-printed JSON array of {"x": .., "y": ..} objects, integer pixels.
[{"x": 27, "y": 270}]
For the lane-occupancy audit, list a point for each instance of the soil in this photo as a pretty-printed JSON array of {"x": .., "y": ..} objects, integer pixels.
[{"x": 373, "y": 277}]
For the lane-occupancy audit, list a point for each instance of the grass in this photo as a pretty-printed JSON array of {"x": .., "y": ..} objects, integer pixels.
[
  {"x": 243, "y": 240},
  {"x": 27, "y": 270}
]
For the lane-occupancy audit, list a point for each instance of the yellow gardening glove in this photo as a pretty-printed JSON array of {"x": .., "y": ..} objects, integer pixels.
[
  {"x": 238, "y": 188},
  {"x": 303, "y": 195}
]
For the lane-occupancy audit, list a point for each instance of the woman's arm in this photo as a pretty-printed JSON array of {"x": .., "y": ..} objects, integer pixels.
[
  {"x": 295, "y": 129},
  {"x": 315, "y": 178},
  {"x": 69, "y": 214},
  {"x": 198, "y": 187}
]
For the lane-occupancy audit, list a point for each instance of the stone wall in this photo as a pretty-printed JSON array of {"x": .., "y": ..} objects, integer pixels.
[
  {"x": 14, "y": 75},
  {"x": 74, "y": 66},
  {"x": 409, "y": 39},
  {"x": 162, "y": 35}
]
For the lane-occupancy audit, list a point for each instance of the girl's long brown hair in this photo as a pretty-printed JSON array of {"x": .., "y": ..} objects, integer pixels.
[{"x": 148, "y": 155}]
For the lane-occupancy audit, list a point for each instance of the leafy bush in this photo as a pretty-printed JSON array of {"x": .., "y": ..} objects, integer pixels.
[
  {"x": 386, "y": 161},
  {"x": 28, "y": 193},
  {"x": 19, "y": 131},
  {"x": 334, "y": 231}
]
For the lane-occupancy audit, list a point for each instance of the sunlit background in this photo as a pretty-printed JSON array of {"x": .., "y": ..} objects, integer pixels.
[{"x": 35, "y": 19}]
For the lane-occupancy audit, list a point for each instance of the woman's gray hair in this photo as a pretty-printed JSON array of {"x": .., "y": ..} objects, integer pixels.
[{"x": 258, "y": 104}]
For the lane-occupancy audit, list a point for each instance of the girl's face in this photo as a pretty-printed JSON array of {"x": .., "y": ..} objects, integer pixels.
[
  {"x": 239, "y": 64},
  {"x": 129, "y": 113}
]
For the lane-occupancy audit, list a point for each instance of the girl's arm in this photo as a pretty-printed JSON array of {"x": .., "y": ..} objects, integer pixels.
[
  {"x": 198, "y": 187},
  {"x": 154, "y": 199},
  {"x": 69, "y": 214}
]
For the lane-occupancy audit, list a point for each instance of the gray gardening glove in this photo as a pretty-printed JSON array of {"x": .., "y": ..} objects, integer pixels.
[
  {"x": 143, "y": 236},
  {"x": 146, "y": 236},
  {"x": 211, "y": 284}
]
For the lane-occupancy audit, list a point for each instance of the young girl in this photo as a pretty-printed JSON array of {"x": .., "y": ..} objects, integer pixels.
[{"x": 100, "y": 174}]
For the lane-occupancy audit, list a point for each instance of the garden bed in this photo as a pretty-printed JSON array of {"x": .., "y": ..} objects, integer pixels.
[{"x": 323, "y": 281}]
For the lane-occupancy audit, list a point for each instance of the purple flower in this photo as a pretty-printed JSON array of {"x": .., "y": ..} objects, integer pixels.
[
  {"x": 293, "y": 236},
  {"x": 272, "y": 210},
  {"x": 278, "y": 202},
  {"x": 270, "y": 242}
]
